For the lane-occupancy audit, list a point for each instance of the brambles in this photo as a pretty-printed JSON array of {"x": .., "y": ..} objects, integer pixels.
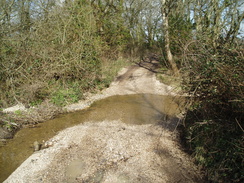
[
  {"x": 58, "y": 59},
  {"x": 214, "y": 125}
]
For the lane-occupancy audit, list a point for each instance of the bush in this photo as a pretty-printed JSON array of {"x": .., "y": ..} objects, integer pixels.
[
  {"x": 60, "y": 50},
  {"x": 214, "y": 125}
]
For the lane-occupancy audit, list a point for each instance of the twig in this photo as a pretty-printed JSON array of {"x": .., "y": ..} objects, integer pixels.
[
  {"x": 16, "y": 100},
  {"x": 239, "y": 125},
  {"x": 235, "y": 100}
]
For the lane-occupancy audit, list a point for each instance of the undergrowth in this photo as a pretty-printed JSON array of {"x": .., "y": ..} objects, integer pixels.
[
  {"x": 61, "y": 58},
  {"x": 213, "y": 129}
]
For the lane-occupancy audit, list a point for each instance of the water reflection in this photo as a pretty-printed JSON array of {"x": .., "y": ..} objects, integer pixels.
[{"x": 132, "y": 109}]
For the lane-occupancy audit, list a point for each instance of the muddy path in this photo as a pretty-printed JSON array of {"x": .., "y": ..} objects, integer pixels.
[
  {"x": 114, "y": 151},
  {"x": 139, "y": 78}
]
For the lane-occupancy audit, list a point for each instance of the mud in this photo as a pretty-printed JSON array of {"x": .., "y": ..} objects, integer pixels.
[
  {"x": 116, "y": 150},
  {"x": 109, "y": 151},
  {"x": 131, "y": 109}
]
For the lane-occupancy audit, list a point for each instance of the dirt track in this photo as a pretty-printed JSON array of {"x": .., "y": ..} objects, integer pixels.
[
  {"x": 111, "y": 151},
  {"x": 135, "y": 79}
]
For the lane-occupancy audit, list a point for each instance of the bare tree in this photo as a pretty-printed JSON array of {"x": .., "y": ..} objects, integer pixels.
[
  {"x": 24, "y": 14},
  {"x": 234, "y": 16},
  {"x": 5, "y": 11},
  {"x": 217, "y": 19}
]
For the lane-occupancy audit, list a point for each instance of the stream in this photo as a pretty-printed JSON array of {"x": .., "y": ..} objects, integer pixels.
[{"x": 133, "y": 109}]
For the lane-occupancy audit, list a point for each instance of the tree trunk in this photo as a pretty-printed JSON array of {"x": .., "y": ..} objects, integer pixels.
[{"x": 169, "y": 55}]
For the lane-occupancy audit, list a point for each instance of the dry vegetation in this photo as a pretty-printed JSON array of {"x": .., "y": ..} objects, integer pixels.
[
  {"x": 56, "y": 53},
  {"x": 213, "y": 128}
]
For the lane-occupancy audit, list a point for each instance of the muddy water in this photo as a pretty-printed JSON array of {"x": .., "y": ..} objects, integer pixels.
[{"x": 133, "y": 109}]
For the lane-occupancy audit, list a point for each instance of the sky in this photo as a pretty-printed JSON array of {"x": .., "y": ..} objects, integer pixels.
[{"x": 241, "y": 31}]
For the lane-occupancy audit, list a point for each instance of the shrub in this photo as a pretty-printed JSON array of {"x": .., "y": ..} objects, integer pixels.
[
  {"x": 62, "y": 49},
  {"x": 213, "y": 126}
]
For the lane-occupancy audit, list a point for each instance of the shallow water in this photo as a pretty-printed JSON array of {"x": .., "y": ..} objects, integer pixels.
[{"x": 133, "y": 109}]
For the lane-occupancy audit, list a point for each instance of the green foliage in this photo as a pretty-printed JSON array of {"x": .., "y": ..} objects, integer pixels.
[
  {"x": 18, "y": 112},
  {"x": 64, "y": 96},
  {"x": 36, "y": 102}
]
